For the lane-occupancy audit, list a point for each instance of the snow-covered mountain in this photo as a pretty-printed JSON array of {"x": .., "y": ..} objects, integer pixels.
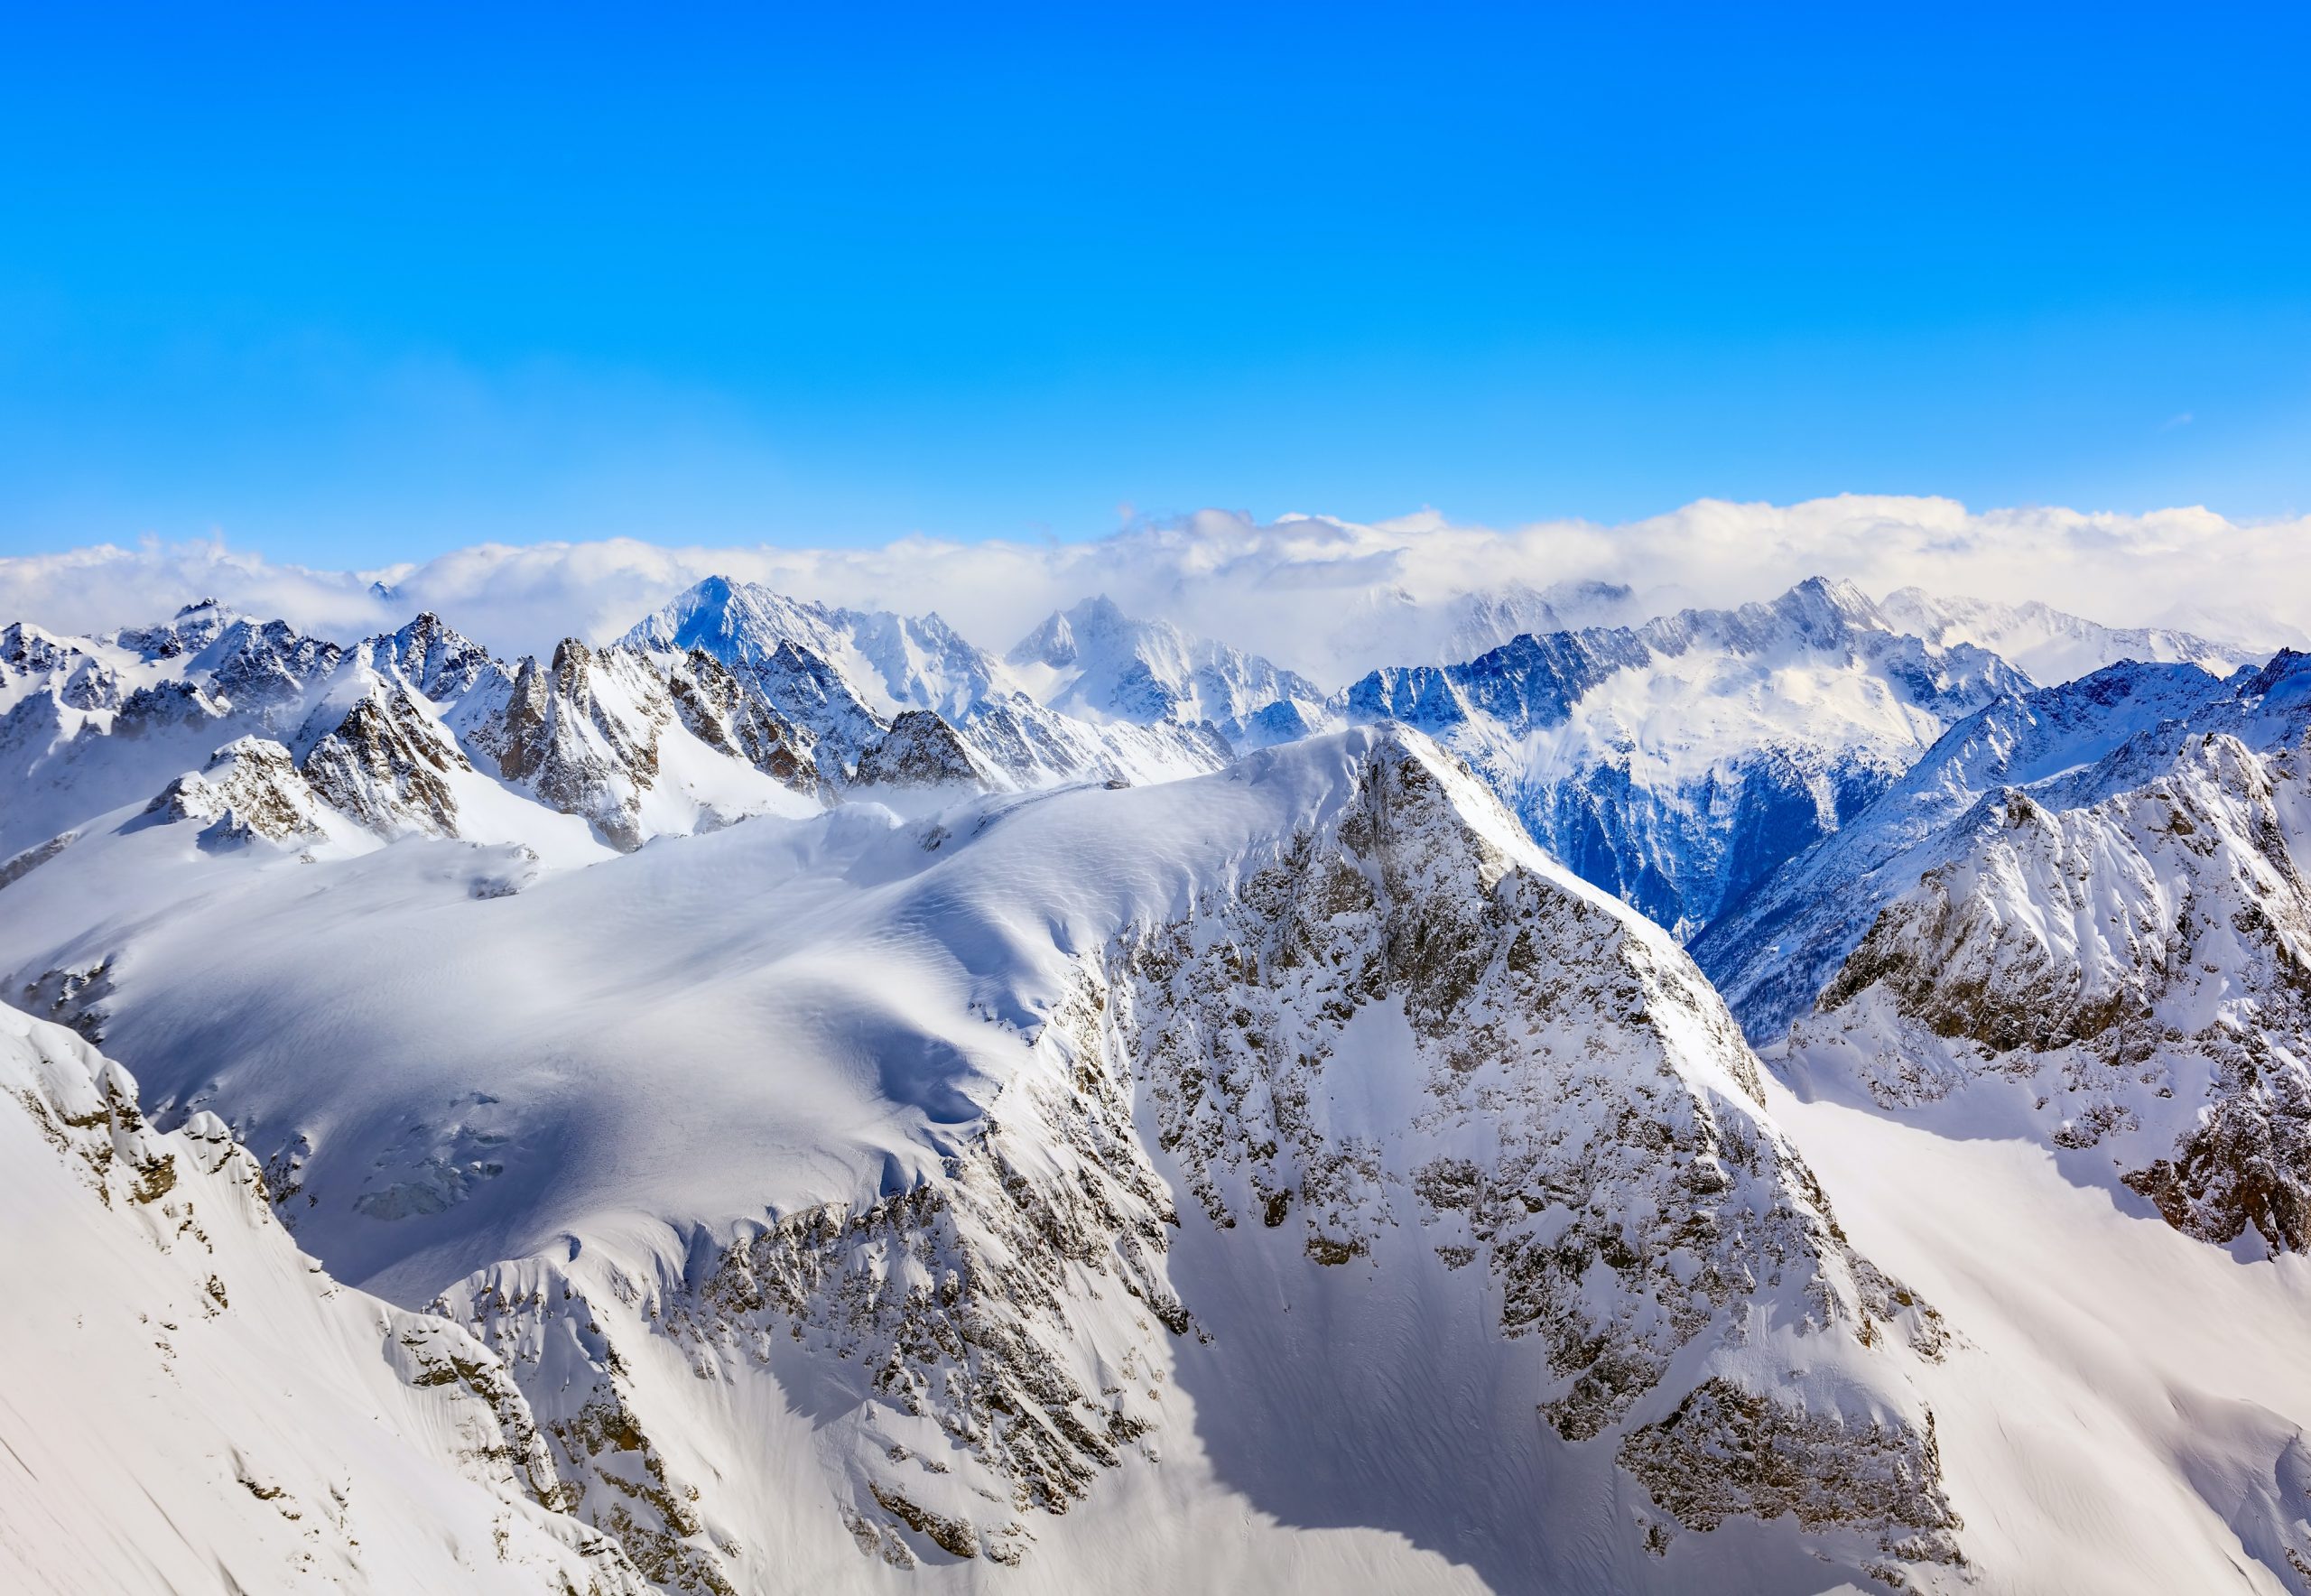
[
  {"x": 1094, "y": 661},
  {"x": 2049, "y": 646},
  {"x": 1678, "y": 763},
  {"x": 894, "y": 662},
  {"x": 846, "y": 676},
  {"x": 192, "y": 1404},
  {"x": 845, "y": 1193},
  {"x": 1491, "y": 617},
  {"x": 2105, "y": 950},
  {"x": 815, "y": 1115},
  {"x": 416, "y": 731},
  {"x": 1774, "y": 954}
]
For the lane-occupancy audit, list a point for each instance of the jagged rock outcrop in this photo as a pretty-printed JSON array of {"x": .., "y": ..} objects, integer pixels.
[
  {"x": 1725, "y": 1452},
  {"x": 387, "y": 765},
  {"x": 249, "y": 788},
  {"x": 920, "y": 750},
  {"x": 165, "y": 706},
  {"x": 191, "y": 629},
  {"x": 255, "y": 666},
  {"x": 592, "y": 734},
  {"x": 721, "y": 713},
  {"x": 31, "y": 657},
  {"x": 438, "y": 661},
  {"x": 559, "y": 738}
]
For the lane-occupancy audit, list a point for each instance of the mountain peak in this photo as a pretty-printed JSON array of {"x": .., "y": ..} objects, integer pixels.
[
  {"x": 1825, "y": 607},
  {"x": 1051, "y": 643}
]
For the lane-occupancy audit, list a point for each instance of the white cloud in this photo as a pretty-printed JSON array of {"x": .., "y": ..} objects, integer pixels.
[{"x": 1330, "y": 597}]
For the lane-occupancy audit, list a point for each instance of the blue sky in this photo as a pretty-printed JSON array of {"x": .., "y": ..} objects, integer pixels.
[{"x": 355, "y": 290}]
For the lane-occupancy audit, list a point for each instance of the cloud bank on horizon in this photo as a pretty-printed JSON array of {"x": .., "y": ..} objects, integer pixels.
[{"x": 1330, "y": 597}]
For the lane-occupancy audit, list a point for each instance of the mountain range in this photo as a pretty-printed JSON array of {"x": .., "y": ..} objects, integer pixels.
[{"x": 1801, "y": 1097}]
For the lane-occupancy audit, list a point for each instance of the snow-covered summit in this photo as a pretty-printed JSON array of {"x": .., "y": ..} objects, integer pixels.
[{"x": 894, "y": 662}]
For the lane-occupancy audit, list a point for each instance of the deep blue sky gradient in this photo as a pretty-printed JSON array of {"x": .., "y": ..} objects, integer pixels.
[{"x": 359, "y": 289}]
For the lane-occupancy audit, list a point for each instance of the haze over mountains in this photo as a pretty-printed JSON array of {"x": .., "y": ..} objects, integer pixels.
[{"x": 1659, "y": 1102}]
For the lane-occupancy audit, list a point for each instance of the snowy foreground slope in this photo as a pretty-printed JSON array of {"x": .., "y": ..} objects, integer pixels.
[
  {"x": 849, "y": 1197},
  {"x": 191, "y": 1405},
  {"x": 2125, "y": 1411}
]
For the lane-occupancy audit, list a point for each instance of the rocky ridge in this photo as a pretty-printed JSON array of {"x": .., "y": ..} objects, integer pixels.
[
  {"x": 2129, "y": 979},
  {"x": 1394, "y": 1019}
]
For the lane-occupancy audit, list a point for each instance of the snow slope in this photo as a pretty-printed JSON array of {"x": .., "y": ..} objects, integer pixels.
[
  {"x": 836, "y": 1133},
  {"x": 2126, "y": 1410},
  {"x": 192, "y": 1405}
]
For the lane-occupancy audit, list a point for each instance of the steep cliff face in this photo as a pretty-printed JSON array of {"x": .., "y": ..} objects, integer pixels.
[
  {"x": 920, "y": 750},
  {"x": 249, "y": 788},
  {"x": 719, "y": 710},
  {"x": 556, "y": 738},
  {"x": 1679, "y": 764},
  {"x": 389, "y": 766},
  {"x": 192, "y": 1400}
]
